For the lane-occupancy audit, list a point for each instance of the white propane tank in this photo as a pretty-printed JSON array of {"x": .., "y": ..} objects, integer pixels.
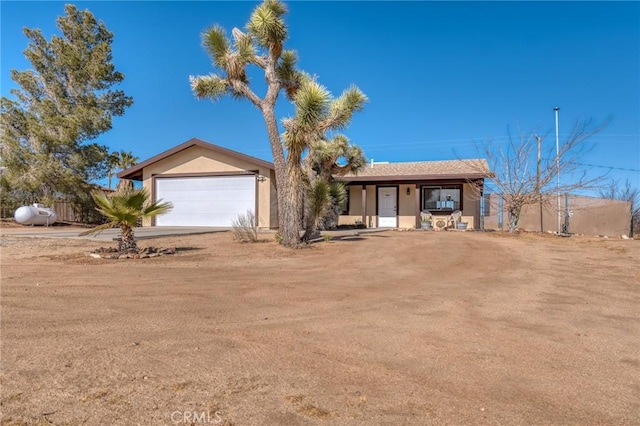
[{"x": 36, "y": 214}]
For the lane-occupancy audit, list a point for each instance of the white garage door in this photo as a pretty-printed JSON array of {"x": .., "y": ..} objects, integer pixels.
[{"x": 206, "y": 201}]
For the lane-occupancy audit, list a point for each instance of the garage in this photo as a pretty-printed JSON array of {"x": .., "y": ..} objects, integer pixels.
[
  {"x": 209, "y": 185},
  {"x": 205, "y": 200}
]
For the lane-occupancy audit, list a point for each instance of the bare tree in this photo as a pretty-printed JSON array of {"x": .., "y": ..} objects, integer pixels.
[
  {"x": 615, "y": 190},
  {"x": 520, "y": 180}
]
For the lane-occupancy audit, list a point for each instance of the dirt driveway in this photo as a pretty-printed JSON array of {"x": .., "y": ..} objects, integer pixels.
[{"x": 390, "y": 328}]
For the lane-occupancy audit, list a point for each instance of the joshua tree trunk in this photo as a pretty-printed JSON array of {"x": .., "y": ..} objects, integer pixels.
[
  {"x": 127, "y": 243},
  {"x": 310, "y": 216},
  {"x": 330, "y": 219},
  {"x": 294, "y": 200},
  {"x": 310, "y": 228},
  {"x": 287, "y": 185}
]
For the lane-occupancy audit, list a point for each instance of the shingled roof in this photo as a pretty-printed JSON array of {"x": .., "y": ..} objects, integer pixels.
[{"x": 422, "y": 170}]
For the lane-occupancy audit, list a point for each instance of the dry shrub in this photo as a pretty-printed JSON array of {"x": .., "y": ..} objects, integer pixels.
[{"x": 245, "y": 228}]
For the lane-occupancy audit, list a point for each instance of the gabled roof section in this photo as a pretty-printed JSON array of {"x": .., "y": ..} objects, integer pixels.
[
  {"x": 422, "y": 170},
  {"x": 135, "y": 172}
]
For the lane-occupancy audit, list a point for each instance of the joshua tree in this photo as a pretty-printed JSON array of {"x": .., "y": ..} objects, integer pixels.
[
  {"x": 317, "y": 114},
  {"x": 326, "y": 160},
  {"x": 124, "y": 209},
  {"x": 262, "y": 46},
  {"x": 323, "y": 200}
]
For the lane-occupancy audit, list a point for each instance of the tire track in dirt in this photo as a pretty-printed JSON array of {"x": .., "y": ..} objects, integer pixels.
[{"x": 395, "y": 328}]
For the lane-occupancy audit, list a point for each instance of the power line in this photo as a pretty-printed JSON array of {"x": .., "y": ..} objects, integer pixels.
[
  {"x": 608, "y": 167},
  {"x": 429, "y": 142},
  {"x": 488, "y": 139}
]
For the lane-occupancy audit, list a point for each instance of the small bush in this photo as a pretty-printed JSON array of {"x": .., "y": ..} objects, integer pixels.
[{"x": 245, "y": 228}]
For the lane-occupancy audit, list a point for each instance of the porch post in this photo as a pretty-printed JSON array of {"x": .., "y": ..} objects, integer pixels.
[
  {"x": 364, "y": 206},
  {"x": 418, "y": 210}
]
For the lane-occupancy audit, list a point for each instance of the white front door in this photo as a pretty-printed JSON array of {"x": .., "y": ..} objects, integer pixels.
[{"x": 387, "y": 207}]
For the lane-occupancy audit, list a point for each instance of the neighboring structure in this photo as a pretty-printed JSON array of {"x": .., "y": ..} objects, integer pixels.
[
  {"x": 392, "y": 195},
  {"x": 589, "y": 215},
  {"x": 210, "y": 186}
]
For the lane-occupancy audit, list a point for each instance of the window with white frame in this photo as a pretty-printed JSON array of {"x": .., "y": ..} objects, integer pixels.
[{"x": 441, "y": 198}]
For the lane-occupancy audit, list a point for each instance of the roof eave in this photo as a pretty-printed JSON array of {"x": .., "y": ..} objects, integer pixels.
[
  {"x": 392, "y": 178},
  {"x": 135, "y": 172}
]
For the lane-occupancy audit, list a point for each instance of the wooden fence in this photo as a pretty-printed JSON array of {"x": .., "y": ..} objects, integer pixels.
[{"x": 66, "y": 212}]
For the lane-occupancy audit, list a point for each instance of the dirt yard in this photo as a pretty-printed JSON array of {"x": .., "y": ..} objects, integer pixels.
[{"x": 388, "y": 328}]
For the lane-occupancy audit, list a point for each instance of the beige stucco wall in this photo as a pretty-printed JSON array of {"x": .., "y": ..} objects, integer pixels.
[
  {"x": 355, "y": 206},
  {"x": 197, "y": 159},
  {"x": 273, "y": 201},
  {"x": 470, "y": 207},
  {"x": 407, "y": 206},
  {"x": 355, "y": 201}
]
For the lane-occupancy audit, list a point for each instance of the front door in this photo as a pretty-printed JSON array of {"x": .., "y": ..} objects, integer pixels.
[{"x": 387, "y": 207}]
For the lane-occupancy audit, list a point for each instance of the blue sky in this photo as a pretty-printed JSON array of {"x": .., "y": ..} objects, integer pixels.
[{"x": 441, "y": 77}]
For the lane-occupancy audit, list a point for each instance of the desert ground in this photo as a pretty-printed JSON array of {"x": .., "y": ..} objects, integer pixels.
[{"x": 390, "y": 328}]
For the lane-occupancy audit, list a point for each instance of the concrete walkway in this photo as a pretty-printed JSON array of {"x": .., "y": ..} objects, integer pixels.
[
  {"x": 109, "y": 234},
  {"x": 149, "y": 232}
]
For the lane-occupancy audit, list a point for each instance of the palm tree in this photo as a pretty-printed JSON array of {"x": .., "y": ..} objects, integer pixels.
[
  {"x": 316, "y": 114},
  {"x": 111, "y": 164},
  {"x": 261, "y": 46},
  {"x": 119, "y": 161},
  {"x": 125, "y": 209}
]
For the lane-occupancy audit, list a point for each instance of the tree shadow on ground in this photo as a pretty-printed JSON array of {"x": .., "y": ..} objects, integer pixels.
[
  {"x": 179, "y": 249},
  {"x": 345, "y": 238}
]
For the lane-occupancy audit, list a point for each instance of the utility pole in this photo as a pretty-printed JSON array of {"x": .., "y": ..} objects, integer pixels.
[
  {"x": 556, "y": 109},
  {"x": 539, "y": 139}
]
